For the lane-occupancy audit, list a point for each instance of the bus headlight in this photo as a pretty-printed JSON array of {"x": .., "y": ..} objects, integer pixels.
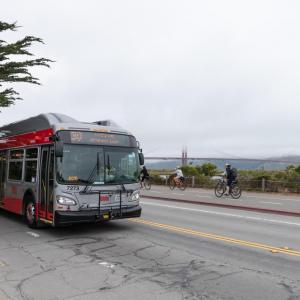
[
  {"x": 65, "y": 200},
  {"x": 135, "y": 196}
]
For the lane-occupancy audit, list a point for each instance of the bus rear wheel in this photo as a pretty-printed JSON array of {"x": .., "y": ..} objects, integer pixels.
[{"x": 30, "y": 215}]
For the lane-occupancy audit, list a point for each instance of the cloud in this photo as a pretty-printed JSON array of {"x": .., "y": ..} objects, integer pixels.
[{"x": 218, "y": 76}]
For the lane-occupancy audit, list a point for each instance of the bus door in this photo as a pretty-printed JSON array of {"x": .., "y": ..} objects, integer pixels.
[
  {"x": 2, "y": 175},
  {"x": 46, "y": 183}
]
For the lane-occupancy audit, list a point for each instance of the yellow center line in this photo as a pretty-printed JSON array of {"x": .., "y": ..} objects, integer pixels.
[{"x": 217, "y": 237}]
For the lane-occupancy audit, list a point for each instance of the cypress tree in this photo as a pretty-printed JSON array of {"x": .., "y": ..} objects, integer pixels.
[{"x": 12, "y": 71}]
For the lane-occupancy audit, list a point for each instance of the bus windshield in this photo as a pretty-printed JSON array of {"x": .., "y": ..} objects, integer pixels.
[{"x": 97, "y": 165}]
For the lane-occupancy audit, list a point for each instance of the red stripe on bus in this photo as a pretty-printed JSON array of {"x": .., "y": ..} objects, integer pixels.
[
  {"x": 50, "y": 216},
  {"x": 13, "y": 204},
  {"x": 26, "y": 139},
  {"x": 42, "y": 214}
]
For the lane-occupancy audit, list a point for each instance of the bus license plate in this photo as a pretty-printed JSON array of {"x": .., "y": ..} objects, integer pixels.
[{"x": 117, "y": 198}]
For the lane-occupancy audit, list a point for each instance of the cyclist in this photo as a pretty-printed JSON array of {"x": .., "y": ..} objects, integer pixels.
[
  {"x": 144, "y": 174},
  {"x": 178, "y": 176},
  {"x": 230, "y": 177}
]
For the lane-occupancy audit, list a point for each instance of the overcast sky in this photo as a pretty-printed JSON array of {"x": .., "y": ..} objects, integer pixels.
[{"x": 219, "y": 77}]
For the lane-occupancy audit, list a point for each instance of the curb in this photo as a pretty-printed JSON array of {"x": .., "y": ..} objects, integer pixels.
[{"x": 239, "y": 207}]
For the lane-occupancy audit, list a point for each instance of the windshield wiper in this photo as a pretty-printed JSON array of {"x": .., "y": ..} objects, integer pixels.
[{"x": 95, "y": 171}]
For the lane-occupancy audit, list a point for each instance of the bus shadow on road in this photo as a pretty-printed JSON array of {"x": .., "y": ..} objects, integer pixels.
[
  {"x": 90, "y": 228},
  {"x": 9, "y": 216}
]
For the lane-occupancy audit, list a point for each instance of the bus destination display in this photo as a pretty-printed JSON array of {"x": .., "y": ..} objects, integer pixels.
[{"x": 97, "y": 138}]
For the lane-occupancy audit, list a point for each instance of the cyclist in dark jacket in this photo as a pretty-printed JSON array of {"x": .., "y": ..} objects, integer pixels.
[
  {"x": 144, "y": 173},
  {"x": 230, "y": 176}
]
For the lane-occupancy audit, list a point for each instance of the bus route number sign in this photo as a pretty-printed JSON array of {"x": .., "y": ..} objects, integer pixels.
[{"x": 97, "y": 138}]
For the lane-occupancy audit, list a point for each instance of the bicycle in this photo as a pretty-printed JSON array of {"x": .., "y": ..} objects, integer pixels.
[
  {"x": 234, "y": 190},
  {"x": 181, "y": 184},
  {"x": 146, "y": 183}
]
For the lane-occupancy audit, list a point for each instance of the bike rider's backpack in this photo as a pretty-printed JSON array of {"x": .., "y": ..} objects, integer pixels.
[{"x": 234, "y": 173}]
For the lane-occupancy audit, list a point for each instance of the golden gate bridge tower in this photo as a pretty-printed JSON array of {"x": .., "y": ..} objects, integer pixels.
[{"x": 184, "y": 159}]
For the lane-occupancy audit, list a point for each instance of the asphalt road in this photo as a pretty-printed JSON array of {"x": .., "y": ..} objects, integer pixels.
[
  {"x": 175, "y": 251},
  {"x": 272, "y": 201}
]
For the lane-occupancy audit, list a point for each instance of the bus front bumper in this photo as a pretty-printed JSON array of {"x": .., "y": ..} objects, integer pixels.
[{"x": 88, "y": 216}]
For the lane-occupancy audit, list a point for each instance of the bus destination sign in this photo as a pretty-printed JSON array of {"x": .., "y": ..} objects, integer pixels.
[{"x": 97, "y": 138}]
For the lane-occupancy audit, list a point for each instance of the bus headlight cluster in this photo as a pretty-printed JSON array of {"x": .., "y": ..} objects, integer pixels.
[
  {"x": 135, "y": 197},
  {"x": 65, "y": 200}
]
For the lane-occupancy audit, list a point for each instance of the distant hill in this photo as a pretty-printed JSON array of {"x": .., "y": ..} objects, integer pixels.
[
  {"x": 294, "y": 159},
  {"x": 241, "y": 165}
]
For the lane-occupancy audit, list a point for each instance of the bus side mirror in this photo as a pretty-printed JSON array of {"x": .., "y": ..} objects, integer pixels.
[
  {"x": 59, "y": 149},
  {"x": 141, "y": 158}
]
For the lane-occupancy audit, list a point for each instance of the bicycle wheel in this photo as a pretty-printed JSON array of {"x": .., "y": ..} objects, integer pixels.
[
  {"x": 172, "y": 184},
  {"x": 147, "y": 184},
  {"x": 220, "y": 189},
  {"x": 182, "y": 185},
  {"x": 236, "y": 191}
]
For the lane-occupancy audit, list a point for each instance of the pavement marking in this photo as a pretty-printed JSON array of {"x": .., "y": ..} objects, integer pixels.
[
  {"x": 106, "y": 264},
  {"x": 2, "y": 264},
  {"x": 180, "y": 194},
  {"x": 157, "y": 192},
  {"x": 268, "y": 202},
  {"x": 217, "y": 237},
  {"x": 35, "y": 235},
  {"x": 223, "y": 214}
]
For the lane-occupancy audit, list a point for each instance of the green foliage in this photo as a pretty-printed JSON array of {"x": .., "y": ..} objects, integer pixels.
[
  {"x": 290, "y": 168},
  {"x": 189, "y": 170},
  {"x": 16, "y": 71},
  {"x": 208, "y": 169},
  {"x": 204, "y": 181}
]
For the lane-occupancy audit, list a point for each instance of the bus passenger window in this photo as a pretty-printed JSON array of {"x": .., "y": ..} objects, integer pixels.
[
  {"x": 31, "y": 165},
  {"x": 16, "y": 164},
  {"x": 30, "y": 171},
  {"x": 15, "y": 170}
]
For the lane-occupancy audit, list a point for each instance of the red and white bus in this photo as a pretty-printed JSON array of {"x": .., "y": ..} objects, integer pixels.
[{"x": 57, "y": 170}]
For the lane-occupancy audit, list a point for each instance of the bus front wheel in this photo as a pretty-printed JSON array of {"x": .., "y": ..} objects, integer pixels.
[{"x": 30, "y": 215}]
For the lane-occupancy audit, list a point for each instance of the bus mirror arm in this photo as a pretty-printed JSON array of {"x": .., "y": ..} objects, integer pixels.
[{"x": 54, "y": 137}]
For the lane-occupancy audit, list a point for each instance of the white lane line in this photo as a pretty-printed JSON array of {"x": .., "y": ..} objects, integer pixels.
[
  {"x": 268, "y": 202},
  {"x": 35, "y": 235},
  {"x": 106, "y": 264},
  {"x": 180, "y": 194},
  {"x": 222, "y": 214}
]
